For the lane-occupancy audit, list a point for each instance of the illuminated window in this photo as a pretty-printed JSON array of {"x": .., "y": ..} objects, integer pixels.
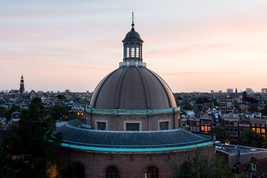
[
  {"x": 258, "y": 130},
  {"x": 202, "y": 128},
  {"x": 208, "y": 128},
  {"x": 128, "y": 53},
  {"x": 253, "y": 129},
  {"x": 132, "y": 52},
  {"x": 137, "y": 52},
  {"x": 262, "y": 130}
]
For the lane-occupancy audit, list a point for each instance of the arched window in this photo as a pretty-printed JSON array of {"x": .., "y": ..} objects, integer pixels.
[
  {"x": 79, "y": 170},
  {"x": 128, "y": 52},
  {"x": 151, "y": 172},
  {"x": 112, "y": 172}
]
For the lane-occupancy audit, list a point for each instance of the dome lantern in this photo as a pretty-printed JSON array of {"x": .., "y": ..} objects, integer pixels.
[{"x": 132, "y": 45}]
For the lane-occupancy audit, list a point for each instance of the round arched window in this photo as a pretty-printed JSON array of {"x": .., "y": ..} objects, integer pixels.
[
  {"x": 151, "y": 172},
  {"x": 112, "y": 172},
  {"x": 79, "y": 170}
]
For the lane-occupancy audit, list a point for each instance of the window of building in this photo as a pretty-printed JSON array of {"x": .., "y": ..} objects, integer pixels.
[
  {"x": 262, "y": 130},
  {"x": 247, "y": 174},
  {"x": 241, "y": 130},
  {"x": 231, "y": 130},
  {"x": 258, "y": 130},
  {"x": 258, "y": 125},
  {"x": 79, "y": 170},
  {"x": 253, "y": 166},
  {"x": 262, "y": 125},
  {"x": 231, "y": 123},
  {"x": 112, "y": 172},
  {"x": 132, "y": 52},
  {"x": 132, "y": 126},
  {"x": 226, "y": 123},
  {"x": 137, "y": 52},
  {"x": 164, "y": 125},
  {"x": 202, "y": 128},
  {"x": 151, "y": 172},
  {"x": 128, "y": 52},
  {"x": 197, "y": 123},
  {"x": 235, "y": 130},
  {"x": 101, "y": 126},
  {"x": 235, "y": 124},
  {"x": 253, "y": 129}
]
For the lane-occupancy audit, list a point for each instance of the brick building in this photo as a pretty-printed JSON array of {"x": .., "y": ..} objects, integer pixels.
[{"x": 135, "y": 125}]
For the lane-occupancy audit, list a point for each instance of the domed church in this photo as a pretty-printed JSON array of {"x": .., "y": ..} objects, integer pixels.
[{"x": 132, "y": 127}]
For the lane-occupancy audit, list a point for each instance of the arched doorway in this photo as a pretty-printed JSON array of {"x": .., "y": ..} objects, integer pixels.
[
  {"x": 112, "y": 172},
  {"x": 151, "y": 172},
  {"x": 79, "y": 170}
]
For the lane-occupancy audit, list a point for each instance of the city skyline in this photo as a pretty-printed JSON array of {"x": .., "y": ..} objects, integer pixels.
[{"x": 194, "y": 46}]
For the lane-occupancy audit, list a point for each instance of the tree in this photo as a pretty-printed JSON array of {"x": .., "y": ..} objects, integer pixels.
[
  {"x": 199, "y": 100},
  {"x": 253, "y": 108},
  {"x": 220, "y": 133},
  {"x": 2, "y": 111},
  {"x": 187, "y": 106},
  {"x": 86, "y": 101},
  {"x": 11, "y": 110},
  {"x": 200, "y": 166},
  {"x": 244, "y": 95},
  {"x": 253, "y": 139},
  {"x": 59, "y": 111},
  {"x": 264, "y": 112},
  {"x": 31, "y": 149}
]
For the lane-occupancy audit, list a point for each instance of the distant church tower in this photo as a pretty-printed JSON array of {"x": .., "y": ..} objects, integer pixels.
[{"x": 21, "y": 89}]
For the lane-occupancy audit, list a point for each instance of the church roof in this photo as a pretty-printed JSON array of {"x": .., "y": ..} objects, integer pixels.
[
  {"x": 127, "y": 139},
  {"x": 132, "y": 88}
]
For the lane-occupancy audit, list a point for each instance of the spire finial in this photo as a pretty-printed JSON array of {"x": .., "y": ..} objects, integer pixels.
[{"x": 132, "y": 19}]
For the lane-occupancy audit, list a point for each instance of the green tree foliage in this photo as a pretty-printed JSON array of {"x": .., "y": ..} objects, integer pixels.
[
  {"x": 85, "y": 101},
  {"x": 31, "y": 149},
  {"x": 206, "y": 100},
  {"x": 187, "y": 106},
  {"x": 200, "y": 166},
  {"x": 2, "y": 111},
  {"x": 264, "y": 112},
  {"x": 59, "y": 111},
  {"x": 219, "y": 131},
  {"x": 253, "y": 108},
  {"x": 215, "y": 102},
  {"x": 253, "y": 139},
  {"x": 11, "y": 110},
  {"x": 244, "y": 95}
]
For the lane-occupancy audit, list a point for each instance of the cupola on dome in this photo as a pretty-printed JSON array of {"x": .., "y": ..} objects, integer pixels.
[{"x": 132, "y": 85}]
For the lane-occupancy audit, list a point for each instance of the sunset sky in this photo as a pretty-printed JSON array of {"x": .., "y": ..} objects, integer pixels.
[{"x": 193, "y": 45}]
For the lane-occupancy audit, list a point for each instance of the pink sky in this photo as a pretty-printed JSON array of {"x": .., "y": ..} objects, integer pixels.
[{"x": 193, "y": 45}]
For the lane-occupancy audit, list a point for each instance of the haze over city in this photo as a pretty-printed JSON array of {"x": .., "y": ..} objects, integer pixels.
[{"x": 193, "y": 45}]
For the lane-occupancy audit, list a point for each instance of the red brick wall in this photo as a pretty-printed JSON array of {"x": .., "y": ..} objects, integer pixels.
[{"x": 131, "y": 165}]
